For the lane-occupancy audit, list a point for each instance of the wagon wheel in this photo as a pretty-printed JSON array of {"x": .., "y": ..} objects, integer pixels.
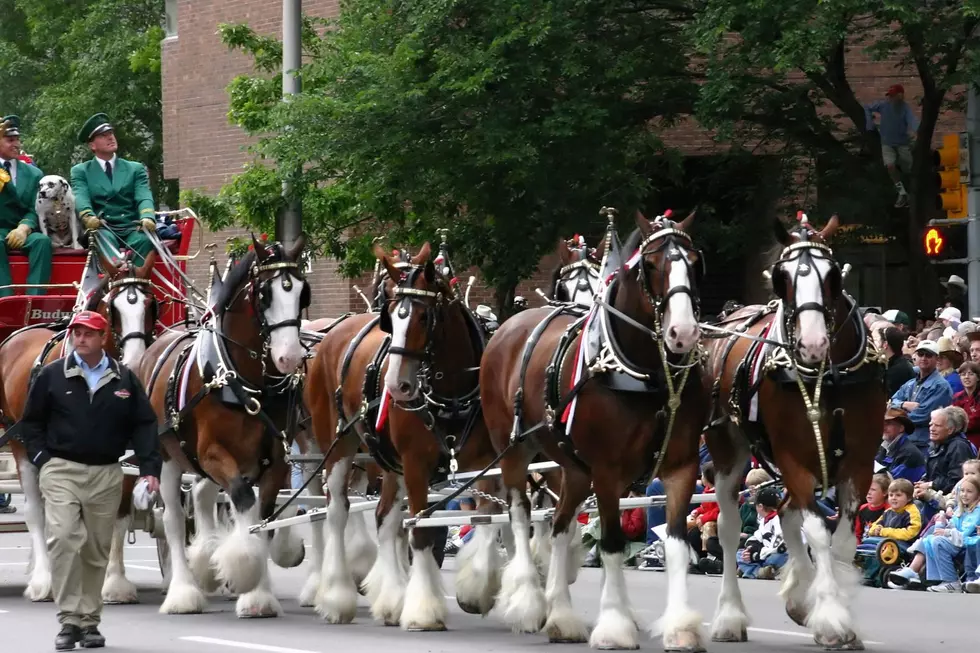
[{"x": 888, "y": 553}]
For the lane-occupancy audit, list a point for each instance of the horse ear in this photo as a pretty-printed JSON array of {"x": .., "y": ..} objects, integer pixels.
[
  {"x": 144, "y": 271},
  {"x": 830, "y": 228},
  {"x": 423, "y": 254},
  {"x": 600, "y": 251},
  {"x": 685, "y": 224},
  {"x": 293, "y": 252},
  {"x": 564, "y": 254},
  {"x": 393, "y": 273},
  {"x": 782, "y": 235},
  {"x": 430, "y": 272},
  {"x": 259, "y": 248},
  {"x": 643, "y": 223}
]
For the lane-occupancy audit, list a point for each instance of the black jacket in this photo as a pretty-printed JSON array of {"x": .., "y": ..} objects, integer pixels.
[
  {"x": 944, "y": 467},
  {"x": 63, "y": 420},
  {"x": 899, "y": 371}
]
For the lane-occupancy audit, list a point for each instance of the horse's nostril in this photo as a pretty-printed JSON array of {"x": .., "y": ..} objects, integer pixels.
[
  {"x": 673, "y": 332},
  {"x": 405, "y": 387}
]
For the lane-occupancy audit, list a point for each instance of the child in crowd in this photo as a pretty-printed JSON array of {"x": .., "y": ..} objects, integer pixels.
[
  {"x": 877, "y": 503},
  {"x": 939, "y": 549},
  {"x": 702, "y": 527},
  {"x": 746, "y": 509},
  {"x": 765, "y": 552},
  {"x": 901, "y": 522}
]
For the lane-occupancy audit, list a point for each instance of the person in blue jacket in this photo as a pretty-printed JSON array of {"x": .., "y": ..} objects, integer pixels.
[
  {"x": 923, "y": 393},
  {"x": 898, "y": 455}
]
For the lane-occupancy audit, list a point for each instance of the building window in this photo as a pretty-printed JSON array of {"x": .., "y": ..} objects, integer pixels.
[{"x": 170, "y": 7}]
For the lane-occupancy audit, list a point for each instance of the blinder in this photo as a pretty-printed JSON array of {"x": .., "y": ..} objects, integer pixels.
[{"x": 385, "y": 322}]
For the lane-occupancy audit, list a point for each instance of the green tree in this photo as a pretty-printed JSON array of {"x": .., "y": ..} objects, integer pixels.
[
  {"x": 779, "y": 72},
  {"x": 64, "y": 60},
  {"x": 509, "y": 123}
]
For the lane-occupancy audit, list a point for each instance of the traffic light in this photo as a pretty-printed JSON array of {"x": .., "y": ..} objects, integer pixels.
[
  {"x": 952, "y": 162},
  {"x": 934, "y": 242}
]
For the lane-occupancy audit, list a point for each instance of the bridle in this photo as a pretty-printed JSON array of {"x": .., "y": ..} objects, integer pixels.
[
  {"x": 130, "y": 285},
  {"x": 585, "y": 271},
  {"x": 404, "y": 296}
]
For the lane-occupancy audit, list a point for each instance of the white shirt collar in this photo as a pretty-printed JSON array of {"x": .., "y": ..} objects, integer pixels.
[
  {"x": 102, "y": 162},
  {"x": 13, "y": 169}
]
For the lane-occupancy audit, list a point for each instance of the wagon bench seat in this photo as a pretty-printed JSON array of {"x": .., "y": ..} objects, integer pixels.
[{"x": 172, "y": 245}]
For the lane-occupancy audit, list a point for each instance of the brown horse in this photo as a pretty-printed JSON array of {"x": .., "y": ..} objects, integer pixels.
[
  {"x": 215, "y": 425},
  {"x": 767, "y": 399},
  {"x": 123, "y": 296},
  {"x": 633, "y": 357}
]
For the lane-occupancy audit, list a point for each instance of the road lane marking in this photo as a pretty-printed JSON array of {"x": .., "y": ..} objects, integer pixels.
[
  {"x": 129, "y": 566},
  {"x": 791, "y": 633},
  {"x": 244, "y": 645}
]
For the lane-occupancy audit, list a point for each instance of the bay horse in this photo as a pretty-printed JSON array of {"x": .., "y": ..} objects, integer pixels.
[
  {"x": 210, "y": 403},
  {"x": 627, "y": 364},
  {"x": 576, "y": 278},
  {"x": 122, "y": 294},
  {"x": 798, "y": 383}
]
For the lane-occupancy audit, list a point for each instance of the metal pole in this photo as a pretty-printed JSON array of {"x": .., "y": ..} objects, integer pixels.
[
  {"x": 973, "y": 205},
  {"x": 290, "y": 223}
]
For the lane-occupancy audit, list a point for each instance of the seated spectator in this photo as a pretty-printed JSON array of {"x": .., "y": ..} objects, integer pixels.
[
  {"x": 633, "y": 523},
  {"x": 950, "y": 359},
  {"x": 901, "y": 522},
  {"x": 940, "y": 548},
  {"x": 875, "y": 507},
  {"x": 948, "y": 450},
  {"x": 764, "y": 552},
  {"x": 746, "y": 509},
  {"x": 702, "y": 526},
  {"x": 969, "y": 400},
  {"x": 897, "y": 454},
  {"x": 924, "y": 393}
]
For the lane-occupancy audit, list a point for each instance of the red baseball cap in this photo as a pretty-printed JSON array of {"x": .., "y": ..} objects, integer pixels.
[
  {"x": 895, "y": 89},
  {"x": 89, "y": 319}
]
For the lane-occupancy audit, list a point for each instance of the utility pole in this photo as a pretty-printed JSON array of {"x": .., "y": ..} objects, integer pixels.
[
  {"x": 289, "y": 224},
  {"x": 973, "y": 204}
]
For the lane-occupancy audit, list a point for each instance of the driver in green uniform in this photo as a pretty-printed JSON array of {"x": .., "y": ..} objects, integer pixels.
[{"x": 113, "y": 194}]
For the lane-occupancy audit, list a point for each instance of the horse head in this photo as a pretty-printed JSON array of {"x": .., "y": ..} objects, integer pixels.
[
  {"x": 670, "y": 270},
  {"x": 270, "y": 280},
  {"x": 128, "y": 305},
  {"x": 416, "y": 296},
  {"x": 576, "y": 279},
  {"x": 809, "y": 282}
]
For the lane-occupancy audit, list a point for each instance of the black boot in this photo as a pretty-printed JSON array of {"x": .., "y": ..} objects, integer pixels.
[
  {"x": 92, "y": 638},
  {"x": 65, "y": 641}
]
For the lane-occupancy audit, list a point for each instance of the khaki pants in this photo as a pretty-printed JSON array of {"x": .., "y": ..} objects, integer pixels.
[{"x": 80, "y": 506}]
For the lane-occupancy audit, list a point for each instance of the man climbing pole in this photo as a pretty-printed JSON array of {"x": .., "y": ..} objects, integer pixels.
[{"x": 896, "y": 121}]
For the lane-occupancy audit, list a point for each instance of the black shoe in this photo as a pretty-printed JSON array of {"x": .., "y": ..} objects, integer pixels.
[
  {"x": 65, "y": 641},
  {"x": 92, "y": 638}
]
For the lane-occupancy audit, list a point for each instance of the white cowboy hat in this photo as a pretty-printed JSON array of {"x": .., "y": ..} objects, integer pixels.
[
  {"x": 949, "y": 313},
  {"x": 954, "y": 280}
]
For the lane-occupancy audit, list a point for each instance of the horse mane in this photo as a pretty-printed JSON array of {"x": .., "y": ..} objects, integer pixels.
[
  {"x": 236, "y": 277},
  {"x": 554, "y": 288},
  {"x": 631, "y": 244}
]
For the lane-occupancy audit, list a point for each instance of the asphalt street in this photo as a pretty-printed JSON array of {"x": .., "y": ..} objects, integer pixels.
[{"x": 892, "y": 621}]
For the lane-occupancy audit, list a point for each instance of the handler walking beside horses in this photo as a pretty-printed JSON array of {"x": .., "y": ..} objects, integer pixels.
[{"x": 81, "y": 413}]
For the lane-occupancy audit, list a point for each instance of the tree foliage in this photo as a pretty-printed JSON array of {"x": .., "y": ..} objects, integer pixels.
[
  {"x": 63, "y": 60},
  {"x": 509, "y": 123}
]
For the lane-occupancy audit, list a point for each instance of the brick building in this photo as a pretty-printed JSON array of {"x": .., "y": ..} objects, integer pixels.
[{"x": 202, "y": 150}]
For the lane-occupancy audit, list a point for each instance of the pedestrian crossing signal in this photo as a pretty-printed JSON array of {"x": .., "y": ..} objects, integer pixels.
[{"x": 934, "y": 242}]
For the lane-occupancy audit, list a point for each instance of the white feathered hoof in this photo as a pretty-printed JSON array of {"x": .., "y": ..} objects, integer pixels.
[
  {"x": 240, "y": 562},
  {"x": 423, "y": 612},
  {"x": 199, "y": 555},
  {"x": 850, "y": 642},
  {"x": 385, "y": 595},
  {"x": 307, "y": 595},
  {"x": 682, "y": 632},
  {"x": 522, "y": 600},
  {"x": 336, "y": 603},
  {"x": 39, "y": 588},
  {"x": 730, "y": 625},
  {"x": 798, "y": 613},
  {"x": 478, "y": 578},
  {"x": 564, "y": 627},
  {"x": 119, "y": 590},
  {"x": 287, "y": 549},
  {"x": 258, "y": 604},
  {"x": 184, "y": 599},
  {"x": 615, "y": 631}
]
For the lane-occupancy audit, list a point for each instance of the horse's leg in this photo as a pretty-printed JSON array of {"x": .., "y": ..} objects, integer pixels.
[
  {"x": 307, "y": 595},
  {"x": 425, "y": 601},
  {"x": 478, "y": 563},
  {"x": 523, "y": 601},
  {"x": 117, "y": 589},
  {"x": 681, "y": 624},
  {"x": 563, "y": 625},
  {"x": 206, "y": 534},
  {"x": 260, "y": 601},
  {"x": 361, "y": 549},
  {"x": 336, "y": 599},
  {"x": 183, "y": 595},
  {"x": 731, "y": 621},
  {"x": 615, "y": 628},
  {"x": 798, "y": 571},
  {"x": 385, "y": 583},
  {"x": 39, "y": 586}
]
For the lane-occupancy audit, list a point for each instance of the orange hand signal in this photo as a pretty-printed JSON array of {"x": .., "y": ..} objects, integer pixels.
[{"x": 934, "y": 242}]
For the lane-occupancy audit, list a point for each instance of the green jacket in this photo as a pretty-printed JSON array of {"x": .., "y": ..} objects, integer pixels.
[
  {"x": 121, "y": 203},
  {"x": 17, "y": 202},
  {"x": 750, "y": 518}
]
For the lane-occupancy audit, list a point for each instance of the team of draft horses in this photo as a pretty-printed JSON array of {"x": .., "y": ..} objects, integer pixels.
[{"x": 616, "y": 380}]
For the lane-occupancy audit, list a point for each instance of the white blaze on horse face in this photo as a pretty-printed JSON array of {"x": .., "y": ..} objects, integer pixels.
[
  {"x": 681, "y": 330},
  {"x": 133, "y": 319},
  {"x": 813, "y": 341},
  {"x": 284, "y": 344},
  {"x": 401, "y": 374}
]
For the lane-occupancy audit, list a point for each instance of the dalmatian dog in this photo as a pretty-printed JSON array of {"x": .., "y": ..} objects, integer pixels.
[{"x": 55, "y": 208}]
